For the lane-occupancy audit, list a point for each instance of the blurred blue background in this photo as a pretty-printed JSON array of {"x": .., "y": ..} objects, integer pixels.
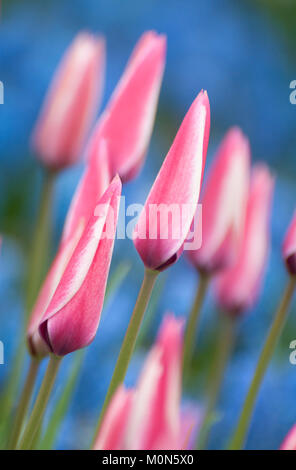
[{"x": 243, "y": 54}]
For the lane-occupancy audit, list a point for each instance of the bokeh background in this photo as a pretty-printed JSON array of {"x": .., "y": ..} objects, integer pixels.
[{"x": 243, "y": 53}]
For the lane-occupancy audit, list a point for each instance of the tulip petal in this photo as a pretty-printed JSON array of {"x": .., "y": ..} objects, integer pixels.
[
  {"x": 73, "y": 315},
  {"x": 238, "y": 287},
  {"x": 224, "y": 204},
  {"x": 112, "y": 431},
  {"x": 36, "y": 344},
  {"x": 165, "y": 423},
  {"x": 154, "y": 421},
  {"x": 71, "y": 103},
  {"x": 145, "y": 393},
  {"x": 290, "y": 440},
  {"x": 127, "y": 122},
  {"x": 175, "y": 189}
]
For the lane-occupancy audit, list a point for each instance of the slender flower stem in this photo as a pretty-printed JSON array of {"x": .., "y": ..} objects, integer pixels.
[
  {"x": 36, "y": 270},
  {"x": 40, "y": 243},
  {"x": 63, "y": 403},
  {"x": 24, "y": 404},
  {"x": 11, "y": 385},
  {"x": 217, "y": 372},
  {"x": 193, "y": 322},
  {"x": 239, "y": 436},
  {"x": 129, "y": 341},
  {"x": 37, "y": 414}
]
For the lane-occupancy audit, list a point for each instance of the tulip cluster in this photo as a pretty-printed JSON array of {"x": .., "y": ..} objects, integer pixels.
[{"x": 234, "y": 221}]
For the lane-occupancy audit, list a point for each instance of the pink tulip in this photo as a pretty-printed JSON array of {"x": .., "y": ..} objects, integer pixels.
[
  {"x": 166, "y": 218},
  {"x": 238, "y": 286},
  {"x": 289, "y": 247},
  {"x": 127, "y": 121},
  {"x": 223, "y": 204},
  {"x": 71, "y": 103},
  {"x": 290, "y": 440},
  {"x": 68, "y": 309},
  {"x": 112, "y": 433},
  {"x": 149, "y": 417}
]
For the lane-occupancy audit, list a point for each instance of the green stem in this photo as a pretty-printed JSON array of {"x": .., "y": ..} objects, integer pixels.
[
  {"x": 239, "y": 436},
  {"x": 193, "y": 322},
  {"x": 63, "y": 403},
  {"x": 24, "y": 404},
  {"x": 217, "y": 372},
  {"x": 11, "y": 385},
  {"x": 37, "y": 267},
  {"x": 41, "y": 241},
  {"x": 129, "y": 341},
  {"x": 37, "y": 414}
]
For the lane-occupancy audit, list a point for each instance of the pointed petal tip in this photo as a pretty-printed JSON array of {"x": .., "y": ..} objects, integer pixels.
[
  {"x": 236, "y": 131},
  {"x": 263, "y": 172},
  {"x": 172, "y": 325},
  {"x": 239, "y": 141},
  {"x": 93, "y": 40},
  {"x": 202, "y": 99},
  {"x": 154, "y": 35},
  {"x": 116, "y": 182},
  {"x": 158, "y": 44}
]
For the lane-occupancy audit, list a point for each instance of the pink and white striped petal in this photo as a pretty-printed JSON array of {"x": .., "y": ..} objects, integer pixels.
[{"x": 174, "y": 195}]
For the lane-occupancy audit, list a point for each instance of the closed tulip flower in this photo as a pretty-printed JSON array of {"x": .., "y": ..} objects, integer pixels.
[
  {"x": 71, "y": 103},
  {"x": 127, "y": 122},
  {"x": 158, "y": 237},
  {"x": 149, "y": 417},
  {"x": 237, "y": 288},
  {"x": 223, "y": 204},
  {"x": 289, "y": 247},
  {"x": 223, "y": 212},
  {"x": 290, "y": 440},
  {"x": 67, "y": 312}
]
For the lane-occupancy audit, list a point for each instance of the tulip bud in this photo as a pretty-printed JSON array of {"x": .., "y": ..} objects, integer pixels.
[
  {"x": 127, "y": 121},
  {"x": 68, "y": 309},
  {"x": 289, "y": 247},
  {"x": 156, "y": 407},
  {"x": 149, "y": 417},
  {"x": 112, "y": 433},
  {"x": 166, "y": 218},
  {"x": 290, "y": 440},
  {"x": 237, "y": 288},
  {"x": 71, "y": 103},
  {"x": 223, "y": 205}
]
